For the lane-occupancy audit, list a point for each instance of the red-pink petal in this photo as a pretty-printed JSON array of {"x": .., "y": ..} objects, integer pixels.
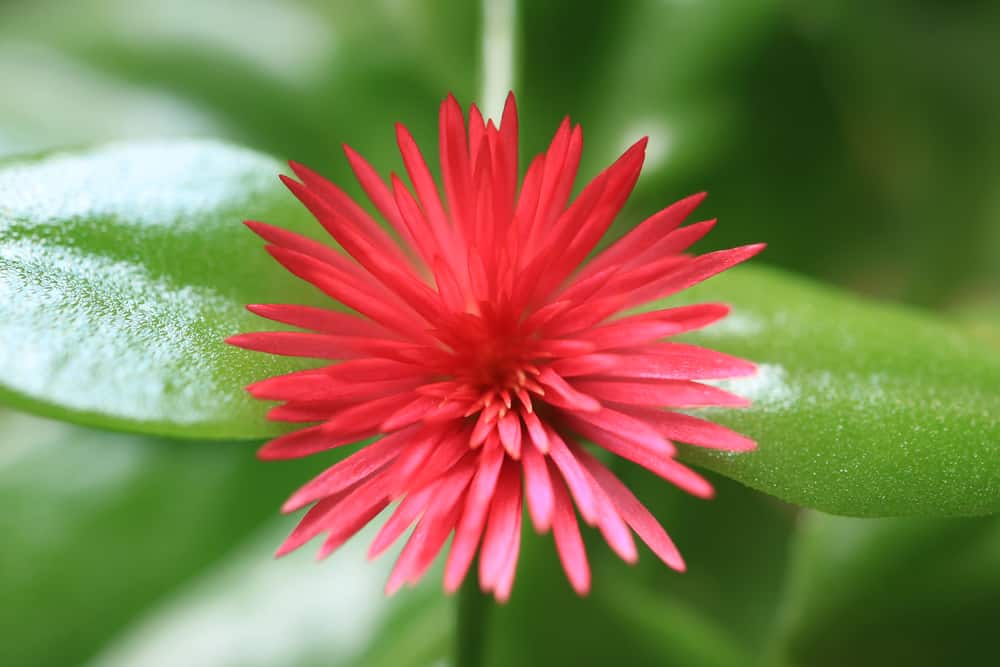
[
  {"x": 501, "y": 526},
  {"x": 645, "y": 234},
  {"x": 693, "y": 430},
  {"x": 411, "y": 507},
  {"x": 575, "y": 477},
  {"x": 628, "y": 428},
  {"x": 569, "y": 543},
  {"x": 505, "y": 582},
  {"x": 433, "y": 528},
  {"x": 340, "y": 512},
  {"x": 509, "y": 430},
  {"x": 308, "y": 441},
  {"x": 479, "y": 350},
  {"x": 473, "y": 520},
  {"x": 321, "y": 320},
  {"x": 366, "y": 461},
  {"x": 562, "y": 394},
  {"x": 664, "y": 466},
  {"x": 666, "y": 361},
  {"x": 538, "y": 489},
  {"x": 672, "y": 393},
  {"x": 536, "y": 431},
  {"x": 635, "y": 514}
]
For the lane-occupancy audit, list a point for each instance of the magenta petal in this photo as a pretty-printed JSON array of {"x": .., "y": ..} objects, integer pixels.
[
  {"x": 339, "y": 512},
  {"x": 307, "y": 441},
  {"x": 675, "y": 361},
  {"x": 475, "y": 343},
  {"x": 664, "y": 466},
  {"x": 628, "y": 428},
  {"x": 616, "y": 533},
  {"x": 505, "y": 582},
  {"x": 646, "y": 233},
  {"x": 509, "y": 429},
  {"x": 412, "y": 506},
  {"x": 667, "y": 393},
  {"x": 359, "y": 465},
  {"x": 433, "y": 529},
  {"x": 575, "y": 477},
  {"x": 505, "y": 510},
  {"x": 473, "y": 520},
  {"x": 635, "y": 514},
  {"x": 561, "y": 393},
  {"x": 569, "y": 543},
  {"x": 693, "y": 430},
  {"x": 538, "y": 489}
]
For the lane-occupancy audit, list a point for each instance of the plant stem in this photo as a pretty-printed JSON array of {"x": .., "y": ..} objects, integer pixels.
[
  {"x": 470, "y": 628},
  {"x": 497, "y": 53}
]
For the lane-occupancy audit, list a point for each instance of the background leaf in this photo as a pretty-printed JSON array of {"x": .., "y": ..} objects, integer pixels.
[
  {"x": 293, "y": 79},
  {"x": 718, "y": 613},
  {"x": 863, "y": 591},
  {"x": 97, "y": 526},
  {"x": 117, "y": 546}
]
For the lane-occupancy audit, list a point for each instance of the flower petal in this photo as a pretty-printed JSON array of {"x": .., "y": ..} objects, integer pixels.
[
  {"x": 569, "y": 544},
  {"x": 635, "y": 514}
]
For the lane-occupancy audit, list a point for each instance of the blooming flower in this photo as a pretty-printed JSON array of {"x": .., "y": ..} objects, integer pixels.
[{"x": 483, "y": 352}]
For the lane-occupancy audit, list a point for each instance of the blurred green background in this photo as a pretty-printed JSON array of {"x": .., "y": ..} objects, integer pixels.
[{"x": 861, "y": 140}]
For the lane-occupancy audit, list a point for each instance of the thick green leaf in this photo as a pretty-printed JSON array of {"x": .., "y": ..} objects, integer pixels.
[
  {"x": 137, "y": 252},
  {"x": 123, "y": 268},
  {"x": 98, "y": 527},
  {"x": 860, "y": 409},
  {"x": 875, "y": 591}
]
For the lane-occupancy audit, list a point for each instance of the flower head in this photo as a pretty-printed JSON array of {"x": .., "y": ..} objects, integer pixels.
[{"x": 483, "y": 352}]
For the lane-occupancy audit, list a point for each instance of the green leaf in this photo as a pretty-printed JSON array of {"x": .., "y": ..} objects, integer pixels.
[
  {"x": 123, "y": 268},
  {"x": 868, "y": 592},
  {"x": 859, "y": 409},
  {"x": 97, "y": 527}
]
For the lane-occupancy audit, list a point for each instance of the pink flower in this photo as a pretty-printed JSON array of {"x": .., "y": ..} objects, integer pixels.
[{"x": 483, "y": 352}]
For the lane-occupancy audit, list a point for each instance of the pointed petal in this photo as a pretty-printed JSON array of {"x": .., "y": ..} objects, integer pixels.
[
  {"x": 320, "y": 319},
  {"x": 509, "y": 430},
  {"x": 645, "y": 234},
  {"x": 363, "y": 463},
  {"x": 626, "y": 427},
  {"x": 574, "y": 475},
  {"x": 474, "y": 513},
  {"x": 693, "y": 430},
  {"x": 308, "y": 441},
  {"x": 538, "y": 489},
  {"x": 664, "y": 466},
  {"x": 501, "y": 526},
  {"x": 560, "y": 393},
  {"x": 635, "y": 514},
  {"x": 665, "y": 393},
  {"x": 569, "y": 543}
]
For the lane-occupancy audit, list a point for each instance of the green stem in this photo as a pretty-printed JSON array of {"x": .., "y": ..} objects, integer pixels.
[
  {"x": 470, "y": 628},
  {"x": 497, "y": 66}
]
